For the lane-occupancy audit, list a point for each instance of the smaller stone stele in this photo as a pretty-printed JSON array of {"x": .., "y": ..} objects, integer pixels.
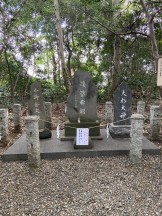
[
  {"x": 81, "y": 106},
  {"x": 122, "y": 112},
  {"x": 36, "y": 107}
]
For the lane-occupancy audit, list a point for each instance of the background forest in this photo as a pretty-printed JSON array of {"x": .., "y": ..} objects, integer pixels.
[{"x": 49, "y": 40}]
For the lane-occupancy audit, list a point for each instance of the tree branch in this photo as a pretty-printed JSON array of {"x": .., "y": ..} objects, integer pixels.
[{"x": 112, "y": 32}]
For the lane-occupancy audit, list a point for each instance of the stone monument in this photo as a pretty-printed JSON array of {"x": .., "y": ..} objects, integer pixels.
[
  {"x": 81, "y": 106},
  {"x": 122, "y": 112},
  {"x": 36, "y": 107}
]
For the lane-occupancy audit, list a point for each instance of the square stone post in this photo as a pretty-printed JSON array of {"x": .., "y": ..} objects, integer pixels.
[
  {"x": 4, "y": 127},
  {"x": 141, "y": 107},
  {"x": 136, "y": 138},
  {"x": 32, "y": 139},
  {"x": 155, "y": 120},
  {"x": 48, "y": 110},
  {"x": 17, "y": 117},
  {"x": 108, "y": 112}
]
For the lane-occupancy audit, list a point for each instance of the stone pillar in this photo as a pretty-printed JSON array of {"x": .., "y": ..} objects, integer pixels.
[
  {"x": 155, "y": 115},
  {"x": 141, "y": 107},
  {"x": 136, "y": 135},
  {"x": 48, "y": 111},
  {"x": 4, "y": 127},
  {"x": 17, "y": 117},
  {"x": 108, "y": 112},
  {"x": 32, "y": 138}
]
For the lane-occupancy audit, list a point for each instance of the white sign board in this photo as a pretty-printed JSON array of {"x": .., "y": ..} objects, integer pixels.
[
  {"x": 159, "y": 75},
  {"x": 82, "y": 136}
]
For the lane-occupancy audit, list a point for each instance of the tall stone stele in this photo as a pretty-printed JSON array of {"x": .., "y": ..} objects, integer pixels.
[
  {"x": 122, "y": 112},
  {"x": 81, "y": 106},
  {"x": 36, "y": 107}
]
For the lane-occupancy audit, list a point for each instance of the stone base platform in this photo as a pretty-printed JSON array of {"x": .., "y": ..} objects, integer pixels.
[
  {"x": 119, "y": 131},
  {"x": 55, "y": 149}
]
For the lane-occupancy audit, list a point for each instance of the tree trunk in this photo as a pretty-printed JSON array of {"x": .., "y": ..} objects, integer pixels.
[
  {"x": 150, "y": 21},
  {"x": 155, "y": 51},
  {"x": 10, "y": 78},
  {"x": 117, "y": 51},
  {"x": 54, "y": 70},
  {"x": 61, "y": 44},
  {"x": 116, "y": 60}
]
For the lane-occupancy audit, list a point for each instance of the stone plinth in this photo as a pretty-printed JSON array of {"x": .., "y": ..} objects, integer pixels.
[
  {"x": 119, "y": 131},
  {"x": 70, "y": 128}
]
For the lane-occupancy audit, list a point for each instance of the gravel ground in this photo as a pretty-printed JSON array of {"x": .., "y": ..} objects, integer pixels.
[
  {"x": 82, "y": 186},
  {"x": 105, "y": 186}
]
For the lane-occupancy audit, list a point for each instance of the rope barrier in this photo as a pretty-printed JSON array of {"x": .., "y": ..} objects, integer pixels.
[{"x": 90, "y": 127}]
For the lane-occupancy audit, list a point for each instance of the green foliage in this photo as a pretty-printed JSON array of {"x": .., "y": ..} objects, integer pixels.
[
  {"x": 143, "y": 86},
  {"x": 52, "y": 92},
  {"x": 29, "y": 37},
  {"x": 104, "y": 93}
]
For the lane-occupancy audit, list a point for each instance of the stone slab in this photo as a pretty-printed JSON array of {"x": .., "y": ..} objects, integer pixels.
[
  {"x": 55, "y": 149},
  {"x": 119, "y": 131}
]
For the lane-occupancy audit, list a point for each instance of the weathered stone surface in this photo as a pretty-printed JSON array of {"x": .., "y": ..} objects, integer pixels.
[
  {"x": 17, "y": 117},
  {"x": 45, "y": 134},
  {"x": 120, "y": 128},
  {"x": 122, "y": 105},
  {"x": 4, "y": 132},
  {"x": 36, "y": 104},
  {"x": 141, "y": 107},
  {"x": 81, "y": 103},
  {"x": 48, "y": 111},
  {"x": 136, "y": 138},
  {"x": 32, "y": 139},
  {"x": 70, "y": 128},
  {"x": 119, "y": 131},
  {"x": 108, "y": 112},
  {"x": 155, "y": 121}
]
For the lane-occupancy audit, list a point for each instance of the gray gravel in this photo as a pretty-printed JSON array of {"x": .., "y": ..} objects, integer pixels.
[{"x": 82, "y": 186}]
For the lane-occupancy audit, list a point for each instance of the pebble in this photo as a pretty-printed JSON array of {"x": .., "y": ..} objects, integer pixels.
[{"x": 104, "y": 186}]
